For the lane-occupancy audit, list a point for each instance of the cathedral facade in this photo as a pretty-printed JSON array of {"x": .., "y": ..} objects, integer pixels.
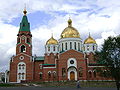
[{"x": 68, "y": 58}]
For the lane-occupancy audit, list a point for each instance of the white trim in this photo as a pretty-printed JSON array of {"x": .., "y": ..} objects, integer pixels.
[
  {"x": 96, "y": 66},
  {"x": 49, "y": 67}
]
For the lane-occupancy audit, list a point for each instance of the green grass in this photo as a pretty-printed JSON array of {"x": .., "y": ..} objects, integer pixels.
[{"x": 66, "y": 84}]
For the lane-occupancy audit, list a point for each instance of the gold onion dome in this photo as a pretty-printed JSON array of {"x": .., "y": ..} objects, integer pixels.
[
  {"x": 51, "y": 41},
  {"x": 89, "y": 40},
  {"x": 70, "y": 32}
]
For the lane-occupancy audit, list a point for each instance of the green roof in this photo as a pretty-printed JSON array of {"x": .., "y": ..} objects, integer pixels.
[
  {"x": 24, "y": 25},
  {"x": 39, "y": 58},
  {"x": 48, "y": 64}
]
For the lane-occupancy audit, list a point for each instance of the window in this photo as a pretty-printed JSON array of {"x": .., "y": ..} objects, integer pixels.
[
  {"x": 94, "y": 73},
  {"x": 75, "y": 45},
  {"x": 71, "y": 62},
  {"x": 54, "y": 74},
  {"x": 93, "y": 47},
  {"x": 62, "y": 46},
  {"x": 23, "y": 66},
  {"x": 40, "y": 66},
  {"x": 90, "y": 74},
  {"x": 63, "y": 72},
  {"x": 66, "y": 46},
  {"x": 23, "y": 49},
  {"x": 53, "y": 48},
  {"x": 19, "y": 75},
  {"x": 23, "y": 76},
  {"x": 88, "y": 48},
  {"x": 40, "y": 75},
  {"x": 70, "y": 45},
  {"x": 48, "y": 48},
  {"x": 80, "y": 72},
  {"x": 49, "y": 74},
  {"x": 28, "y": 40},
  {"x": 20, "y": 66},
  {"x": 78, "y": 46}
]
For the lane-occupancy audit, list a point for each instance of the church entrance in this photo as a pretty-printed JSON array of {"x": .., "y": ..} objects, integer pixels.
[{"x": 72, "y": 75}]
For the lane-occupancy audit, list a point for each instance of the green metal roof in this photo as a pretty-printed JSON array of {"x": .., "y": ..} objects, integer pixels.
[
  {"x": 39, "y": 58},
  {"x": 24, "y": 25},
  {"x": 48, "y": 64}
]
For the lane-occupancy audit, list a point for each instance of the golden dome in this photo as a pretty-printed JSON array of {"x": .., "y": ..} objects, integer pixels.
[
  {"x": 89, "y": 40},
  {"x": 70, "y": 32},
  {"x": 52, "y": 41}
]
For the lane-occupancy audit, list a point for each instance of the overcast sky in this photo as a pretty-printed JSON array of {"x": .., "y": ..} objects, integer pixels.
[{"x": 99, "y": 17}]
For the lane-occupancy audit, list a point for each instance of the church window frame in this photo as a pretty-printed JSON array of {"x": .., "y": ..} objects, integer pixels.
[
  {"x": 66, "y": 46},
  {"x": 78, "y": 46},
  {"x": 40, "y": 75},
  {"x": 48, "y": 48},
  {"x": 49, "y": 74},
  {"x": 70, "y": 45},
  {"x": 22, "y": 48},
  {"x": 88, "y": 47},
  {"x": 75, "y": 45},
  {"x": 54, "y": 48},
  {"x": 94, "y": 73}
]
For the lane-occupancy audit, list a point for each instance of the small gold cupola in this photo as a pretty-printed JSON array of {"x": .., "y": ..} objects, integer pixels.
[
  {"x": 89, "y": 40},
  {"x": 51, "y": 41}
]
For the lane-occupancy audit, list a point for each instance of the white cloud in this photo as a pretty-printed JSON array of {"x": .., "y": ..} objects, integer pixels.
[{"x": 93, "y": 20}]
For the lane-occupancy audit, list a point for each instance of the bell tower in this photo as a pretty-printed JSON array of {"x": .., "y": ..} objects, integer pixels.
[
  {"x": 24, "y": 39},
  {"x": 21, "y": 64}
]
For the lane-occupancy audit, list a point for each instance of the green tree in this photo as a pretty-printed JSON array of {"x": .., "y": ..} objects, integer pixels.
[{"x": 109, "y": 56}]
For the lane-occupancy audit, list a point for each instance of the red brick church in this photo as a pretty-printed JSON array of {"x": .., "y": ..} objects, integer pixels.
[{"x": 68, "y": 58}]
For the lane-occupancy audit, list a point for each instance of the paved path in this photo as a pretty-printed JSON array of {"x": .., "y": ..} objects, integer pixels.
[{"x": 38, "y": 88}]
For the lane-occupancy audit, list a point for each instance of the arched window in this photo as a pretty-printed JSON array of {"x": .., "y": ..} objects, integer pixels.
[
  {"x": 88, "y": 47},
  {"x": 54, "y": 74},
  {"x": 93, "y": 47},
  {"x": 48, "y": 48},
  {"x": 75, "y": 45},
  {"x": 70, "y": 45},
  {"x": 23, "y": 48},
  {"x": 41, "y": 75},
  {"x": 94, "y": 73},
  {"x": 78, "y": 46},
  {"x": 53, "y": 48},
  {"x": 90, "y": 74},
  {"x": 66, "y": 46},
  {"x": 49, "y": 74}
]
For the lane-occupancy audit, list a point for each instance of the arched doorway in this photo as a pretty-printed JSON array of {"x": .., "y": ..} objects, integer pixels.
[{"x": 72, "y": 75}]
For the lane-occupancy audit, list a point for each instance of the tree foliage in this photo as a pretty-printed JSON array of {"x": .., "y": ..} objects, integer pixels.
[{"x": 109, "y": 56}]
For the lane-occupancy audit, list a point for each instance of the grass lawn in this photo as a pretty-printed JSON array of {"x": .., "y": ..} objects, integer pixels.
[{"x": 64, "y": 84}]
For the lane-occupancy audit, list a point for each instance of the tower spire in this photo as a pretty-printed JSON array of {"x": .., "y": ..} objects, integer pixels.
[
  {"x": 69, "y": 22},
  {"x": 24, "y": 25},
  {"x": 25, "y": 11}
]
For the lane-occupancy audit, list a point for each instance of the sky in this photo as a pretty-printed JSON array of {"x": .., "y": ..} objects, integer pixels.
[{"x": 99, "y": 17}]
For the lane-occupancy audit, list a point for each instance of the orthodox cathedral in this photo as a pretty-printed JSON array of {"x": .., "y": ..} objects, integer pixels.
[{"x": 68, "y": 58}]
